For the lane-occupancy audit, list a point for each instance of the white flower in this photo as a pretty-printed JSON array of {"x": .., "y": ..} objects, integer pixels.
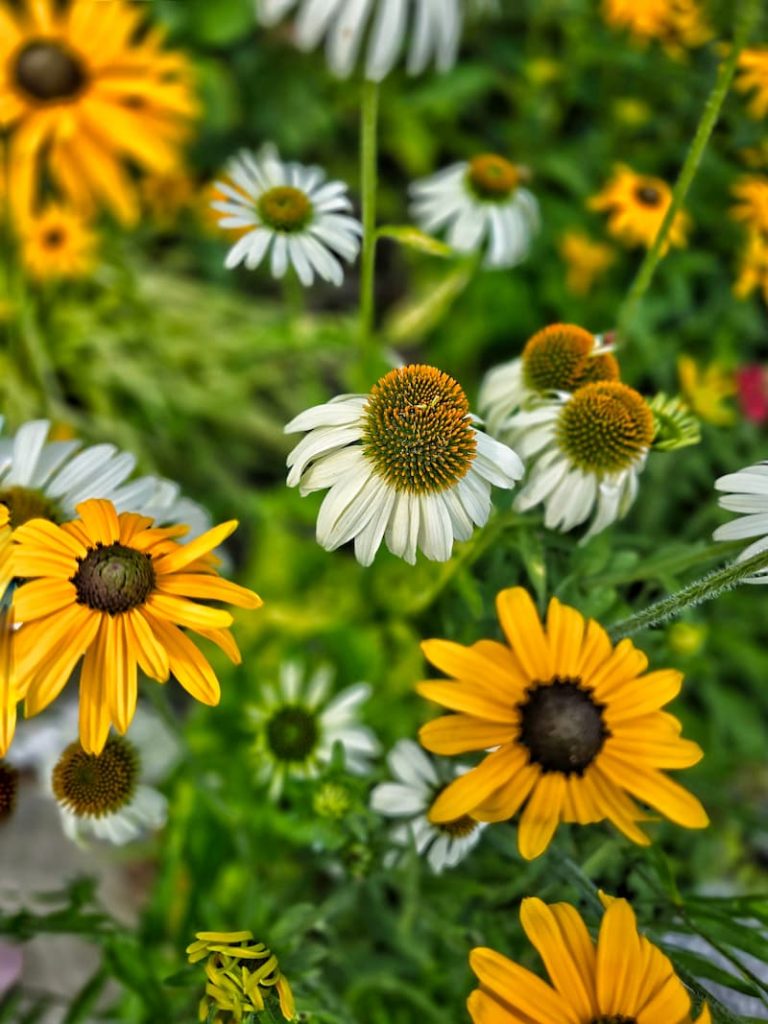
[
  {"x": 404, "y": 464},
  {"x": 434, "y": 26},
  {"x": 298, "y": 722},
  {"x": 291, "y": 210},
  {"x": 416, "y": 787},
  {"x": 482, "y": 205},
  {"x": 747, "y": 492},
  {"x": 586, "y": 451},
  {"x": 47, "y": 479}
]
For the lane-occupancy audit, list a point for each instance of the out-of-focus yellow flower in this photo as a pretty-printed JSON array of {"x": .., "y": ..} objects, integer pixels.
[
  {"x": 756, "y": 156},
  {"x": 543, "y": 70},
  {"x": 209, "y": 218},
  {"x": 585, "y": 259},
  {"x": 752, "y": 77},
  {"x": 636, "y": 205},
  {"x": 706, "y": 388},
  {"x": 631, "y": 111},
  {"x": 676, "y": 24},
  {"x": 166, "y": 196},
  {"x": 751, "y": 206},
  {"x": 57, "y": 243},
  {"x": 687, "y": 638},
  {"x": 753, "y": 267}
]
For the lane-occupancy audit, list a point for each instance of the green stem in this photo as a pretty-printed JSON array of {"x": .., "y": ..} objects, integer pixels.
[
  {"x": 368, "y": 177},
  {"x": 703, "y": 589},
  {"x": 746, "y": 17}
]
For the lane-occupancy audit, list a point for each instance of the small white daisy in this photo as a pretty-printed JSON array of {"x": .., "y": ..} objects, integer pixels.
[
  {"x": 298, "y": 722},
  {"x": 416, "y": 787},
  {"x": 404, "y": 464},
  {"x": 434, "y": 27},
  {"x": 482, "y": 205},
  {"x": 746, "y": 492},
  {"x": 291, "y": 210},
  {"x": 584, "y": 453}
]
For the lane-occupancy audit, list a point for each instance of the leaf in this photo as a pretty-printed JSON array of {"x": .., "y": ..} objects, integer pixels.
[
  {"x": 84, "y": 1002},
  {"x": 415, "y": 319},
  {"x": 413, "y": 238},
  {"x": 702, "y": 967}
]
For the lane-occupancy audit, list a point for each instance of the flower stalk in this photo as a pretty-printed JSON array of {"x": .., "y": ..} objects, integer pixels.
[{"x": 369, "y": 183}]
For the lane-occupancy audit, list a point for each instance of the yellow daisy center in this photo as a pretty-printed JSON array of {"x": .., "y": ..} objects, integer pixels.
[
  {"x": 48, "y": 71},
  {"x": 94, "y": 785},
  {"x": 114, "y": 578},
  {"x": 562, "y": 726},
  {"x": 285, "y": 209},
  {"x": 491, "y": 177},
  {"x": 605, "y": 427},
  {"x": 9, "y": 786},
  {"x": 648, "y": 195},
  {"x": 25, "y": 503},
  {"x": 417, "y": 430},
  {"x": 292, "y": 733},
  {"x": 558, "y": 358}
]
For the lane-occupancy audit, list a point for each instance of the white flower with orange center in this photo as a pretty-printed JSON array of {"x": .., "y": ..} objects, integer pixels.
[{"x": 403, "y": 464}]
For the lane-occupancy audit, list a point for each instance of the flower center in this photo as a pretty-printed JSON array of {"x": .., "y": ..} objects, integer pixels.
[
  {"x": 94, "y": 785},
  {"x": 648, "y": 195},
  {"x": 559, "y": 358},
  {"x": 605, "y": 427},
  {"x": 53, "y": 238},
  {"x": 47, "y": 71},
  {"x": 292, "y": 733},
  {"x": 25, "y": 503},
  {"x": 492, "y": 178},
  {"x": 562, "y": 726},
  {"x": 460, "y": 828},
  {"x": 114, "y": 578},
  {"x": 417, "y": 430},
  {"x": 285, "y": 209},
  {"x": 618, "y": 1019},
  {"x": 9, "y": 787}
]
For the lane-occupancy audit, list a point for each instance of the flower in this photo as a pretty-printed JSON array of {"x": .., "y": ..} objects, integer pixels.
[
  {"x": 242, "y": 976},
  {"x": 753, "y": 266},
  {"x": 9, "y": 788},
  {"x": 676, "y": 23},
  {"x": 752, "y": 76},
  {"x": 620, "y": 978},
  {"x": 706, "y": 388},
  {"x": 751, "y": 206},
  {"x": 410, "y": 797},
  {"x": 81, "y": 92},
  {"x": 57, "y": 243},
  {"x": 636, "y": 205},
  {"x": 166, "y": 196},
  {"x": 8, "y": 696},
  {"x": 291, "y": 210},
  {"x": 435, "y": 30},
  {"x": 752, "y": 385},
  {"x": 297, "y": 725},
  {"x": 585, "y": 259},
  {"x": 584, "y": 452},
  {"x": 746, "y": 492},
  {"x": 561, "y": 357},
  {"x": 403, "y": 463},
  {"x": 112, "y": 590},
  {"x": 577, "y": 728},
  {"x": 482, "y": 205}
]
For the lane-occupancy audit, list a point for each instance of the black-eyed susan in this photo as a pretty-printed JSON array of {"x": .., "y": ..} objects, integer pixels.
[
  {"x": 752, "y": 77},
  {"x": 120, "y": 594},
  {"x": 57, "y": 243},
  {"x": 577, "y": 727},
  {"x": 706, "y": 390},
  {"x": 752, "y": 273},
  {"x": 84, "y": 88},
  {"x": 586, "y": 261},
  {"x": 620, "y": 979},
  {"x": 751, "y": 202},
  {"x": 676, "y": 24},
  {"x": 9, "y": 788},
  {"x": 636, "y": 205}
]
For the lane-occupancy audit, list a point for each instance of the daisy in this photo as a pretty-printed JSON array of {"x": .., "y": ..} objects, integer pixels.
[
  {"x": 586, "y": 261},
  {"x": 298, "y": 722},
  {"x": 434, "y": 27},
  {"x": 676, "y": 23},
  {"x": 482, "y": 205},
  {"x": 409, "y": 798},
  {"x": 561, "y": 357},
  {"x": 636, "y": 205},
  {"x": 753, "y": 267},
  {"x": 746, "y": 492},
  {"x": 290, "y": 211},
  {"x": 620, "y": 978},
  {"x": 404, "y": 464},
  {"x": 57, "y": 243},
  {"x": 83, "y": 91},
  {"x": 752, "y": 77},
  {"x": 586, "y": 452},
  {"x": 576, "y": 727},
  {"x": 114, "y": 591},
  {"x": 751, "y": 205}
]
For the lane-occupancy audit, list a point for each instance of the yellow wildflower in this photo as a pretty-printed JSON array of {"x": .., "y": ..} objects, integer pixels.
[{"x": 706, "y": 388}]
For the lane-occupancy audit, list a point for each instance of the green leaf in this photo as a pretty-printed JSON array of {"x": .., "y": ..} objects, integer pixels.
[
  {"x": 413, "y": 238},
  {"x": 702, "y": 967},
  {"x": 84, "y": 1002}
]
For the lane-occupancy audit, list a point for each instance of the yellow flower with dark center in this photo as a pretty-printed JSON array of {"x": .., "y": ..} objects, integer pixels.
[
  {"x": 677, "y": 24},
  {"x": 751, "y": 206},
  {"x": 564, "y": 357},
  {"x": 9, "y": 787},
  {"x": 752, "y": 77},
  {"x": 577, "y": 726},
  {"x": 636, "y": 205},
  {"x": 114, "y": 591},
  {"x": 57, "y": 243},
  {"x": 82, "y": 90},
  {"x": 620, "y": 979},
  {"x": 706, "y": 389},
  {"x": 586, "y": 261},
  {"x": 753, "y": 267}
]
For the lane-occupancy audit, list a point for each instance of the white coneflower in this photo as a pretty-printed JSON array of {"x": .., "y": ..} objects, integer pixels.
[
  {"x": 289, "y": 211},
  {"x": 434, "y": 27},
  {"x": 409, "y": 798},
  {"x": 482, "y": 205},
  {"x": 404, "y": 464},
  {"x": 298, "y": 722},
  {"x": 746, "y": 492},
  {"x": 584, "y": 453},
  {"x": 561, "y": 357}
]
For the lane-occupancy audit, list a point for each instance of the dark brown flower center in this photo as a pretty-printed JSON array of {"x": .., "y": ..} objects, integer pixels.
[
  {"x": 94, "y": 785},
  {"x": 9, "y": 787},
  {"x": 25, "y": 503},
  {"x": 292, "y": 733},
  {"x": 460, "y": 828},
  {"x": 648, "y": 195},
  {"x": 47, "y": 71},
  {"x": 562, "y": 726},
  {"x": 618, "y": 1019},
  {"x": 114, "y": 578},
  {"x": 53, "y": 238},
  {"x": 285, "y": 209},
  {"x": 491, "y": 177}
]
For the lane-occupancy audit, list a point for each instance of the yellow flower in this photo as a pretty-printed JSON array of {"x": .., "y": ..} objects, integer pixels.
[
  {"x": 166, "y": 196},
  {"x": 81, "y": 90},
  {"x": 57, "y": 243},
  {"x": 636, "y": 205},
  {"x": 705, "y": 390},
  {"x": 577, "y": 726},
  {"x": 752, "y": 76},
  {"x": 586, "y": 261},
  {"x": 753, "y": 266},
  {"x": 114, "y": 591},
  {"x": 620, "y": 978},
  {"x": 675, "y": 23},
  {"x": 751, "y": 206}
]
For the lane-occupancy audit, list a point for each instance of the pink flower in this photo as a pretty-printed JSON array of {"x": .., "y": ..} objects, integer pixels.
[{"x": 752, "y": 384}]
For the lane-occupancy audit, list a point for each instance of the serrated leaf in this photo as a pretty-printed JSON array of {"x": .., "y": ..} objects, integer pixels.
[{"x": 413, "y": 238}]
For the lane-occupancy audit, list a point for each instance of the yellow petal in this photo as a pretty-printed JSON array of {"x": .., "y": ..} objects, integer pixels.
[
  {"x": 541, "y": 816},
  {"x": 38, "y": 598},
  {"x": 466, "y": 697},
  {"x": 209, "y": 588},
  {"x": 185, "y": 554},
  {"x": 457, "y": 734},
  {"x": 187, "y": 663},
  {"x": 150, "y": 654},
  {"x": 188, "y": 613},
  {"x": 521, "y": 990},
  {"x": 654, "y": 788},
  {"x": 469, "y": 790},
  {"x": 522, "y": 627},
  {"x": 100, "y": 520},
  {"x": 564, "y": 945},
  {"x": 94, "y": 710},
  {"x": 565, "y": 633}
]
